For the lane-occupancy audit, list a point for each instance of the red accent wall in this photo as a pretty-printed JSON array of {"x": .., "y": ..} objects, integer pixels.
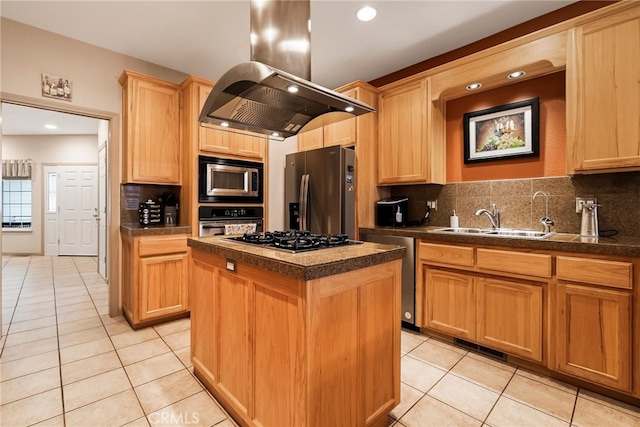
[{"x": 550, "y": 90}]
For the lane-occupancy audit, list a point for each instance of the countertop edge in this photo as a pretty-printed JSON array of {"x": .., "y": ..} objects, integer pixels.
[
  {"x": 135, "y": 230},
  {"x": 564, "y": 242},
  {"x": 312, "y": 271}
]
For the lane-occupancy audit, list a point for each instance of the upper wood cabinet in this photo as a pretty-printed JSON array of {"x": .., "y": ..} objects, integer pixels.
[
  {"x": 151, "y": 129},
  {"x": 404, "y": 154},
  {"x": 216, "y": 140},
  {"x": 603, "y": 94},
  {"x": 343, "y": 132}
]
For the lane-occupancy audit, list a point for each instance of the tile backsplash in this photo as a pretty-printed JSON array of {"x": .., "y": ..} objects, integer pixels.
[
  {"x": 618, "y": 195},
  {"x": 131, "y": 195}
]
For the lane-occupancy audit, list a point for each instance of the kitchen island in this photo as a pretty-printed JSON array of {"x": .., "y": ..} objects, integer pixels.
[{"x": 297, "y": 339}]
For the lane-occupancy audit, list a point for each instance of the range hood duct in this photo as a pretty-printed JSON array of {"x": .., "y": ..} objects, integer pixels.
[{"x": 256, "y": 96}]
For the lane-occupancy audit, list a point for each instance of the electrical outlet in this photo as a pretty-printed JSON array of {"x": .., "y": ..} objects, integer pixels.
[
  {"x": 581, "y": 201},
  {"x": 432, "y": 204}
]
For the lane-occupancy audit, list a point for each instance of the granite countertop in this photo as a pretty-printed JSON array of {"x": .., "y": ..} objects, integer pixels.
[
  {"x": 138, "y": 230},
  {"x": 566, "y": 242},
  {"x": 303, "y": 265}
]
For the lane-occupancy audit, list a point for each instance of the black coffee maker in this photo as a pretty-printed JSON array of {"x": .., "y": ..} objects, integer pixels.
[{"x": 169, "y": 203}]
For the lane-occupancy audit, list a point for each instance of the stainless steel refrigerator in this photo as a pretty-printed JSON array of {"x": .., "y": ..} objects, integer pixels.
[{"x": 320, "y": 191}]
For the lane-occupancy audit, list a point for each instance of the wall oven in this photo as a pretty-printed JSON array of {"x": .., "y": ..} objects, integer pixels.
[
  {"x": 221, "y": 220},
  {"x": 229, "y": 181}
]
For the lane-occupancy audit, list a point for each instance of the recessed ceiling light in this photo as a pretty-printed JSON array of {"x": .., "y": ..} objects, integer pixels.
[
  {"x": 50, "y": 126},
  {"x": 474, "y": 86},
  {"x": 224, "y": 124},
  {"x": 349, "y": 109},
  {"x": 366, "y": 13},
  {"x": 292, "y": 88},
  {"x": 516, "y": 74}
]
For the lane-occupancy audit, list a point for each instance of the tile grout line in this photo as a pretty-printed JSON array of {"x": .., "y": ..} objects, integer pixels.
[{"x": 115, "y": 351}]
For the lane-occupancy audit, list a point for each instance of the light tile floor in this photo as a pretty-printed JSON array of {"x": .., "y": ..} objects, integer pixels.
[{"x": 65, "y": 362}]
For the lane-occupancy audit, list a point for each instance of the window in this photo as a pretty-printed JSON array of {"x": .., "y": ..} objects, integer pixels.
[
  {"x": 52, "y": 184},
  {"x": 16, "y": 203}
]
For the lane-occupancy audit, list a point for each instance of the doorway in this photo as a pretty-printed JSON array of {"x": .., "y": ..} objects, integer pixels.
[{"x": 109, "y": 191}]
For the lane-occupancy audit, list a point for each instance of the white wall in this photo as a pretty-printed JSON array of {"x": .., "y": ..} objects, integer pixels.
[
  {"x": 51, "y": 150},
  {"x": 27, "y": 52},
  {"x": 277, "y": 152}
]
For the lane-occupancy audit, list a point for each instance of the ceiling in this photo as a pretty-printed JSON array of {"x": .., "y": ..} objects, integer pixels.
[{"x": 207, "y": 37}]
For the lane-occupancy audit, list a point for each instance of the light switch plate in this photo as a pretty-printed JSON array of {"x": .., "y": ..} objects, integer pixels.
[{"x": 432, "y": 204}]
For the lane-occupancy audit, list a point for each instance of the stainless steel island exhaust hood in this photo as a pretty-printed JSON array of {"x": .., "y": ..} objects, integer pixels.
[{"x": 256, "y": 96}]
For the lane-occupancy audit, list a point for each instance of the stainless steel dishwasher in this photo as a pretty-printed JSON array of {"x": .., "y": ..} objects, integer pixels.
[{"x": 408, "y": 273}]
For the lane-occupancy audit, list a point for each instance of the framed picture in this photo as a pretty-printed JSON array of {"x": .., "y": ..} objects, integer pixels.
[
  {"x": 57, "y": 87},
  {"x": 506, "y": 131}
]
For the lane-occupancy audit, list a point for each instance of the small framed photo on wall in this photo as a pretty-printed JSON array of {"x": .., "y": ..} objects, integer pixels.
[
  {"x": 57, "y": 87},
  {"x": 502, "y": 132}
]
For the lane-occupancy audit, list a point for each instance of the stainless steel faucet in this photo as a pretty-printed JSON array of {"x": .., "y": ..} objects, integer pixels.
[
  {"x": 494, "y": 216},
  {"x": 545, "y": 220}
]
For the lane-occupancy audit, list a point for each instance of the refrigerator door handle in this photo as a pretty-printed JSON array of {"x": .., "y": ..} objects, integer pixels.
[{"x": 304, "y": 202}]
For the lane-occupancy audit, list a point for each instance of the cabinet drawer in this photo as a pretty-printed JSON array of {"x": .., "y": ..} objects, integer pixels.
[
  {"x": 595, "y": 271},
  {"x": 514, "y": 262},
  {"x": 159, "y": 245},
  {"x": 446, "y": 254}
]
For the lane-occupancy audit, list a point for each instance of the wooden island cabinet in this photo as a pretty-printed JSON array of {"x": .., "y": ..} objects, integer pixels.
[{"x": 317, "y": 345}]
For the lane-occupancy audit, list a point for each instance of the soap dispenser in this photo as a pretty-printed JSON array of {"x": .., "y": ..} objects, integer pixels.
[{"x": 453, "y": 220}]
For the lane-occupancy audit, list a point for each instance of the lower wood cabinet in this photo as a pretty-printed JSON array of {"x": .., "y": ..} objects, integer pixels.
[
  {"x": 502, "y": 314},
  {"x": 593, "y": 335},
  {"x": 451, "y": 304},
  {"x": 573, "y": 313},
  {"x": 509, "y": 316},
  {"x": 155, "y": 278}
]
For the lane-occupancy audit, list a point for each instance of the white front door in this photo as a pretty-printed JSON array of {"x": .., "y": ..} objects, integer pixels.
[
  {"x": 78, "y": 214},
  {"x": 102, "y": 211}
]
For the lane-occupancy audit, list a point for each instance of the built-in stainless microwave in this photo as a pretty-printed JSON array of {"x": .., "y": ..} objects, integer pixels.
[{"x": 228, "y": 180}]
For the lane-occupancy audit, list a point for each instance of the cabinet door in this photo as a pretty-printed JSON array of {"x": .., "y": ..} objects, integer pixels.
[
  {"x": 311, "y": 140},
  {"x": 593, "y": 336},
  {"x": 212, "y": 138},
  {"x": 510, "y": 317},
  {"x": 603, "y": 94},
  {"x": 248, "y": 145},
  {"x": 153, "y": 145},
  {"x": 402, "y": 121},
  {"x": 164, "y": 285},
  {"x": 450, "y": 303}
]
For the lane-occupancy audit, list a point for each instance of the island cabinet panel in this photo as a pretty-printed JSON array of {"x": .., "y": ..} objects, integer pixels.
[
  {"x": 593, "y": 339},
  {"x": 234, "y": 338},
  {"x": 280, "y": 351},
  {"x": 377, "y": 314},
  {"x": 510, "y": 316},
  {"x": 204, "y": 302}
]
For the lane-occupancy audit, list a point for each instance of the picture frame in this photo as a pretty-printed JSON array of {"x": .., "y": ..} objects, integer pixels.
[
  {"x": 504, "y": 132},
  {"x": 56, "y": 87}
]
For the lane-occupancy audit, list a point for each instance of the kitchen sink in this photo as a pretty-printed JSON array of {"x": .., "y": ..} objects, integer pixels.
[{"x": 499, "y": 232}]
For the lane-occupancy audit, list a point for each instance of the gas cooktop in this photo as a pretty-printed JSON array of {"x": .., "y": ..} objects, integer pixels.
[{"x": 295, "y": 241}]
